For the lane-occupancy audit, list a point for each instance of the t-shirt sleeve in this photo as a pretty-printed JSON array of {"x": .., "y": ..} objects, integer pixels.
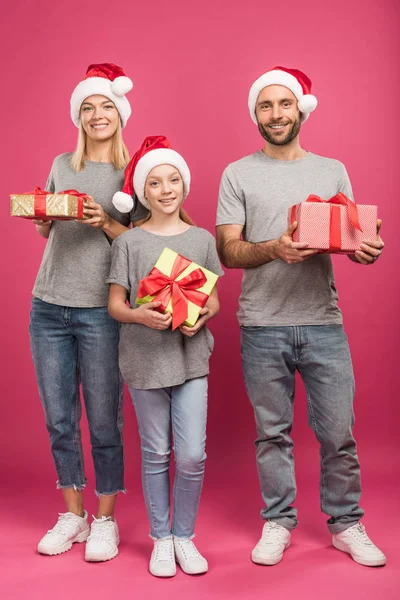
[
  {"x": 138, "y": 211},
  {"x": 231, "y": 207},
  {"x": 119, "y": 270},
  {"x": 212, "y": 262},
  {"x": 344, "y": 184},
  {"x": 50, "y": 183}
]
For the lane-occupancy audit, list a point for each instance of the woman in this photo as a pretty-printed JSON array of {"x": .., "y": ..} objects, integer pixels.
[
  {"x": 73, "y": 339},
  {"x": 166, "y": 371}
]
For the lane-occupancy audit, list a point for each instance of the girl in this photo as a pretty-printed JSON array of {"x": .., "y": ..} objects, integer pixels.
[
  {"x": 166, "y": 371},
  {"x": 73, "y": 339}
]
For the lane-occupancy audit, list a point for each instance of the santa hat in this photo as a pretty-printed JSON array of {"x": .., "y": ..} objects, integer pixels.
[
  {"x": 106, "y": 80},
  {"x": 296, "y": 81},
  {"x": 155, "y": 150}
]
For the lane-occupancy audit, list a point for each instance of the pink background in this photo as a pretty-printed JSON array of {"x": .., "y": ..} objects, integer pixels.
[{"x": 192, "y": 65}]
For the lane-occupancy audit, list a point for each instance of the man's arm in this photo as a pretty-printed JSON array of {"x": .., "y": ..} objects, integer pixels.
[{"x": 236, "y": 253}]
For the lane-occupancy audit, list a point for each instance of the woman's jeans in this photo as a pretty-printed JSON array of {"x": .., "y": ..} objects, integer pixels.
[
  {"x": 69, "y": 346},
  {"x": 182, "y": 408},
  {"x": 271, "y": 356}
]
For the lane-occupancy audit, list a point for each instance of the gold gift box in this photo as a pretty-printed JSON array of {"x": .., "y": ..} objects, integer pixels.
[{"x": 58, "y": 206}]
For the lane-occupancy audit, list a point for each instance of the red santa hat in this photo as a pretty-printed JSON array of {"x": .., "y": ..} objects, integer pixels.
[
  {"x": 106, "y": 80},
  {"x": 293, "y": 79},
  {"x": 156, "y": 150}
]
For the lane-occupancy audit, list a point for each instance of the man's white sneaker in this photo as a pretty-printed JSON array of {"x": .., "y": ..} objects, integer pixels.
[
  {"x": 102, "y": 544},
  {"x": 274, "y": 540},
  {"x": 188, "y": 557},
  {"x": 356, "y": 542},
  {"x": 70, "y": 528},
  {"x": 162, "y": 561}
]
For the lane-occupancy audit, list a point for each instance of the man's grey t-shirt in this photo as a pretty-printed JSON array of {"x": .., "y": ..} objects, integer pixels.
[
  {"x": 150, "y": 358},
  {"x": 77, "y": 257},
  {"x": 256, "y": 192}
]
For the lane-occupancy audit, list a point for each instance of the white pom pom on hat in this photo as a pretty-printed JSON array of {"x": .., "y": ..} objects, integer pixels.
[
  {"x": 105, "y": 79},
  {"x": 156, "y": 150},
  {"x": 293, "y": 79}
]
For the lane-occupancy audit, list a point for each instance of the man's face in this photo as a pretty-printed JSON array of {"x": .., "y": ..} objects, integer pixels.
[{"x": 277, "y": 115}]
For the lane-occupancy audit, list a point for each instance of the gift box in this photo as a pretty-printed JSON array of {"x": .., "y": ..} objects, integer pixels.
[
  {"x": 337, "y": 225},
  {"x": 182, "y": 286},
  {"x": 40, "y": 204}
]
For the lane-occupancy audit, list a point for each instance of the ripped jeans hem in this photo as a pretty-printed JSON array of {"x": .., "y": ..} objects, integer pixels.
[
  {"x": 100, "y": 494},
  {"x": 77, "y": 488}
]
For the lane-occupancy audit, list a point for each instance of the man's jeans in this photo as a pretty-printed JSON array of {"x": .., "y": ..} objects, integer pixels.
[
  {"x": 182, "y": 408},
  {"x": 321, "y": 354},
  {"x": 70, "y": 345}
]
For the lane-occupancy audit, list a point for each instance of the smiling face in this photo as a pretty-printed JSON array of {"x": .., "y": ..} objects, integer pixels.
[
  {"x": 99, "y": 117},
  {"x": 163, "y": 189},
  {"x": 277, "y": 115}
]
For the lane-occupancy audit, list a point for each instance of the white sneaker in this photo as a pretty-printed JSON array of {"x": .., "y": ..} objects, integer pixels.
[
  {"x": 70, "y": 528},
  {"x": 356, "y": 542},
  {"x": 102, "y": 544},
  {"x": 275, "y": 539},
  {"x": 162, "y": 561},
  {"x": 188, "y": 557}
]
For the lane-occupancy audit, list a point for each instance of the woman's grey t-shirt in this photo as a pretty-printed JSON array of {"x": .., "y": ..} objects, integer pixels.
[
  {"x": 77, "y": 257},
  {"x": 150, "y": 358}
]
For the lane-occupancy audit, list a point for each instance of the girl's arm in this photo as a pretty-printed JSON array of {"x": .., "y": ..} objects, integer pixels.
[
  {"x": 145, "y": 314},
  {"x": 42, "y": 227},
  {"x": 208, "y": 312}
]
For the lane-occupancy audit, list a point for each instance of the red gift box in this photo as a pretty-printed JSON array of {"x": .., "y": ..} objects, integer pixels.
[{"x": 335, "y": 225}]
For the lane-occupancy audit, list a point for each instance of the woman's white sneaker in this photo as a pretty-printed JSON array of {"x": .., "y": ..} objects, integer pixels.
[
  {"x": 188, "y": 557},
  {"x": 102, "y": 544},
  {"x": 356, "y": 542},
  {"x": 162, "y": 561},
  {"x": 70, "y": 528},
  {"x": 275, "y": 539}
]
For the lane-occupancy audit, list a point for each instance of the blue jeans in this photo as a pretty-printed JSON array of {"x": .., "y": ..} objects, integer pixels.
[
  {"x": 271, "y": 356},
  {"x": 182, "y": 408},
  {"x": 69, "y": 346}
]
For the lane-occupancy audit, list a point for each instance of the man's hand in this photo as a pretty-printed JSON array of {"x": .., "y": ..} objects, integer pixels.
[
  {"x": 94, "y": 213},
  {"x": 370, "y": 249},
  {"x": 292, "y": 252},
  {"x": 146, "y": 315}
]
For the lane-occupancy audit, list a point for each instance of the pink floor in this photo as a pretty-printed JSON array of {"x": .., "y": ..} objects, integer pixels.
[{"x": 228, "y": 526}]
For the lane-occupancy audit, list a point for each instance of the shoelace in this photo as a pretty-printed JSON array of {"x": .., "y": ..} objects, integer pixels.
[
  {"x": 63, "y": 523},
  {"x": 360, "y": 535},
  {"x": 101, "y": 529},
  {"x": 164, "y": 550},
  {"x": 188, "y": 548},
  {"x": 273, "y": 533}
]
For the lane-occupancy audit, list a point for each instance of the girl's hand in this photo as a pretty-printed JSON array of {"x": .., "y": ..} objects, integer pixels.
[
  {"x": 146, "y": 315},
  {"x": 94, "y": 213},
  {"x": 42, "y": 222},
  {"x": 191, "y": 331}
]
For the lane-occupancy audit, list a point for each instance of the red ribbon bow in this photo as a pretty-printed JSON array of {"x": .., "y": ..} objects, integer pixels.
[
  {"x": 335, "y": 236},
  {"x": 162, "y": 287},
  {"x": 40, "y": 201}
]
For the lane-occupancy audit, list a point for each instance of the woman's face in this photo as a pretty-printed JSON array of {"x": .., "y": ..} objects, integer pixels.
[
  {"x": 99, "y": 117},
  {"x": 163, "y": 189}
]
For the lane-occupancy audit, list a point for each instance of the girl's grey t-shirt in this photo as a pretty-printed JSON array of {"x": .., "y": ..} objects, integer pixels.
[
  {"x": 256, "y": 192},
  {"x": 150, "y": 358},
  {"x": 77, "y": 257}
]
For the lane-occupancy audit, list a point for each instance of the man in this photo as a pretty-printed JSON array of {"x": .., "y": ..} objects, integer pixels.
[{"x": 290, "y": 319}]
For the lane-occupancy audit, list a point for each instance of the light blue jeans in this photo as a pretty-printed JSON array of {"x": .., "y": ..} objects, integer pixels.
[
  {"x": 182, "y": 411},
  {"x": 69, "y": 346},
  {"x": 271, "y": 356}
]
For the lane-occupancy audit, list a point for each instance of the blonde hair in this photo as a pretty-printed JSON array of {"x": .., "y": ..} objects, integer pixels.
[{"x": 119, "y": 152}]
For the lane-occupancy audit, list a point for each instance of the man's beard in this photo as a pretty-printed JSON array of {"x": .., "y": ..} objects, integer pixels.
[{"x": 291, "y": 134}]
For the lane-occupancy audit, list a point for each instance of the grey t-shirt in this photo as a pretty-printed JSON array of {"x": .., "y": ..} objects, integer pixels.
[
  {"x": 256, "y": 192},
  {"x": 77, "y": 257},
  {"x": 150, "y": 358}
]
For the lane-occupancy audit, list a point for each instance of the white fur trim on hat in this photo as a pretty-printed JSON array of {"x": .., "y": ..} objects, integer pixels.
[
  {"x": 122, "y": 202},
  {"x": 104, "y": 87},
  {"x": 277, "y": 77},
  {"x": 154, "y": 158}
]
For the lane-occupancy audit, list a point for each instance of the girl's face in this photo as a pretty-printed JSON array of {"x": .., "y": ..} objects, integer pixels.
[
  {"x": 163, "y": 189},
  {"x": 99, "y": 117}
]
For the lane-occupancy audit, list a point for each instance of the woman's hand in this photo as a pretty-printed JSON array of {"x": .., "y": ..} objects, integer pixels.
[
  {"x": 146, "y": 315},
  {"x": 94, "y": 214},
  {"x": 42, "y": 227}
]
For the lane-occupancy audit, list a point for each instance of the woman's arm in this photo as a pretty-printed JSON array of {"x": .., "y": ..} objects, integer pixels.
[
  {"x": 208, "y": 312},
  {"x": 145, "y": 314},
  {"x": 42, "y": 227}
]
